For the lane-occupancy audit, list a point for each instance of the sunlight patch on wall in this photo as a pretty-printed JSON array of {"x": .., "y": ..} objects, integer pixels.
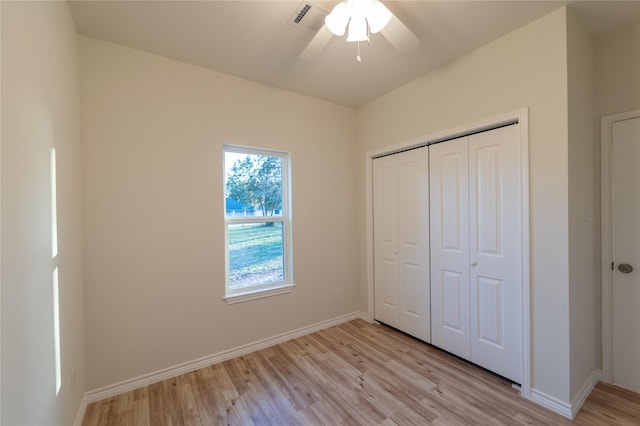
[
  {"x": 56, "y": 330},
  {"x": 54, "y": 258},
  {"x": 54, "y": 207}
]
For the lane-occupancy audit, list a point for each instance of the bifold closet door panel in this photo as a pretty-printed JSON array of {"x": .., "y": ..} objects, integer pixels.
[
  {"x": 495, "y": 219},
  {"x": 449, "y": 230},
  {"x": 401, "y": 241},
  {"x": 385, "y": 234},
  {"x": 413, "y": 239}
]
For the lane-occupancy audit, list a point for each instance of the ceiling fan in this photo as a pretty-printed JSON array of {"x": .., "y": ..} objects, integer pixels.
[{"x": 350, "y": 15}]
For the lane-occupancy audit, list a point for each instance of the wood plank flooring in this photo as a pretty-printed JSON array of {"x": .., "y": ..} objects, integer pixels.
[{"x": 352, "y": 374}]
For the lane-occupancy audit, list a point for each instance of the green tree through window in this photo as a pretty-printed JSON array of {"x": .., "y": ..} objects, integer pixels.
[{"x": 256, "y": 180}]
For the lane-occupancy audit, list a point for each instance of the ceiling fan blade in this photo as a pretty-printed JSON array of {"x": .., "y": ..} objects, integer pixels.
[
  {"x": 400, "y": 37},
  {"x": 317, "y": 43}
]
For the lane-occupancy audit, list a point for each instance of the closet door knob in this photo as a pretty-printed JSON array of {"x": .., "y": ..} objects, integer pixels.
[
  {"x": 625, "y": 268},
  {"x": 474, "y": 263}
]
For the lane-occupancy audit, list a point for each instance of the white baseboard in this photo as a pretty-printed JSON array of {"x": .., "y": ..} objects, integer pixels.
[
  {"x": 186, "y": 367},
  {"x": 551, "y": 403},
  {"x": 567, "y": 410},
  {"x": 81, "y": 411},
  {"x": 586, "y": 389}
]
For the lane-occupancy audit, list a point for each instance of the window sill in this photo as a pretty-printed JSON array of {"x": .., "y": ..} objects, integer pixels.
[{"x": 258, "y": 294}]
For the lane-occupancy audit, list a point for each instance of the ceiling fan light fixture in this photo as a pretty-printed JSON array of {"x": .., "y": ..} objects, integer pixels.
[
  {"x": 378, "y": 16},
  {"x": 358, "y": 29},
  {"x": 337, "y": 20},
  {"x": 363, "y": 17}
]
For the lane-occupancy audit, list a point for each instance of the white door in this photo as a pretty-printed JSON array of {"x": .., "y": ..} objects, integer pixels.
[
  {"x": 476, "y": 249},
  {"x": 449, "y": 217},
  {"x": 413, "y": 238},
  {"x": 385, "y": 236},
  {"x": 626, "y": 250},
  {"x": 401, "y": 241},
  {"x": 495, "y": 241}
]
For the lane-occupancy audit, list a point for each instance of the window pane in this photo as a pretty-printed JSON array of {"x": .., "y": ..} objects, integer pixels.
[
  {"x": 256, "y": 254},
  {"x": 253, "y": 185}
]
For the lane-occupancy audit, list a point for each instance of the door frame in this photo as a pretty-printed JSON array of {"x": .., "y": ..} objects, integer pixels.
[
  {"x": 606, "y": 139},
  {"x": 520, "y": 116}
]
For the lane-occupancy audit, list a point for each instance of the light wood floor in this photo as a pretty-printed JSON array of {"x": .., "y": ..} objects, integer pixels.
[{"x": 352, "y": 374}]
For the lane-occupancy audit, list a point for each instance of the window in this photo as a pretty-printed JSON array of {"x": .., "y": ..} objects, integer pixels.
[{"x": 257, "y": 223}]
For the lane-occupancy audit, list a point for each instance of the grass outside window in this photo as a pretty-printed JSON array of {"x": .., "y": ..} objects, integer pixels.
[{"x": 255, "y": 254}]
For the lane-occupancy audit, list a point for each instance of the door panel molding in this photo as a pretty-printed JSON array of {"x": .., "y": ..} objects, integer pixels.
[{"x": 606, "y": 141}]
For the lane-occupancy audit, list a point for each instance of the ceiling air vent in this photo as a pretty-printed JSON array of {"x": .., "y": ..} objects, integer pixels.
[{"x": 308, "y": 16}]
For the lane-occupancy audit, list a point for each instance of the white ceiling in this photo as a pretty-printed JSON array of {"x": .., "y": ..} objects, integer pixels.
[{"x": 253, "y": 40}]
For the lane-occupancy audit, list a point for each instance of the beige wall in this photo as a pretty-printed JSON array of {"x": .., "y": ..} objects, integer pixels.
[
  {"x": 584, "y": 193},
  {"x": 526, "y": 68},
  {"x": 153, "y": 131},
  {"x": 618, "y": 68},
  {"x": 40, "y": 112}
]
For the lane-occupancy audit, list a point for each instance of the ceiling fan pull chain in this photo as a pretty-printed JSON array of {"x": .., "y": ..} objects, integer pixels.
[{"x": 358, "y": 58}]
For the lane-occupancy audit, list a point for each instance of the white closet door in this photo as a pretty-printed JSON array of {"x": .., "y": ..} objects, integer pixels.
[
  {"x": 495, "y": 251},
  {"x": 401, "y": 241},
  {"x": 413, "y": 238},
  {"x": 385, "y": 230},
  {"x": 449, "y": 231},
  {"x": 626, "y": 249}
]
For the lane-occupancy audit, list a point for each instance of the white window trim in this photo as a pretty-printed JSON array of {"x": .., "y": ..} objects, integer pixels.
[{"x": 278, "y": 287}]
